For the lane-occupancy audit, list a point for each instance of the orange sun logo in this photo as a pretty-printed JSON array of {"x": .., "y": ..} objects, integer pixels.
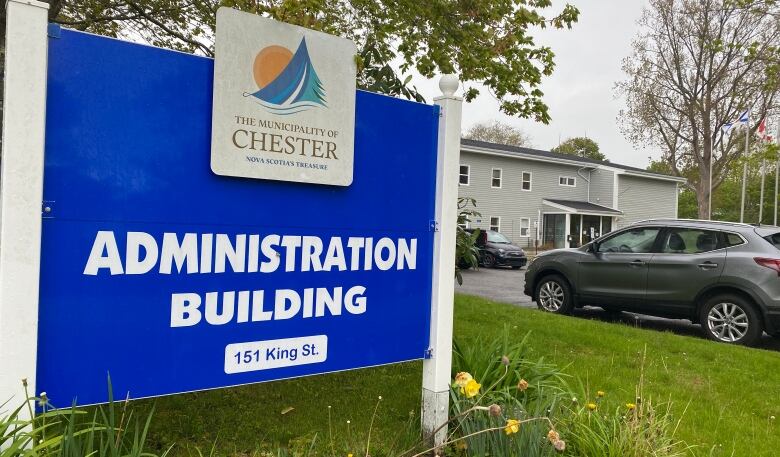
[{"x": 269, "y": 63}]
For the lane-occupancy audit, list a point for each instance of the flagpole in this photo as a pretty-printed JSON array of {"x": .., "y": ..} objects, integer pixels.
[
  {"x": 777, "y": 173},
  {"x": 709, "y": 196},
  {"x": 761, "y": 198},
  {"x": 744, "y": 173},
  {"x": 777, "y": 164},
  {"x": 742, "y": 201}
]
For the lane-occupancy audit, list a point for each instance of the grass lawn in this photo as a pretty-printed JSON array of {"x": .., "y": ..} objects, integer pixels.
[{"x": 727, "y": 393}]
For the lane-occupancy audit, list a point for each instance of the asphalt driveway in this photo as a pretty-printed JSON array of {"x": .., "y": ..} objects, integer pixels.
[{"x": 506, "y": 285}]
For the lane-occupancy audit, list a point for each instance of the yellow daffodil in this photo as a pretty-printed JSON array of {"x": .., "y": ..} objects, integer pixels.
[
  {"x": 462, "y": 378},
  {"x": 630, "y": 406},
  {"x": 512, "y": 426},
  {"x": 591, "y": 407},
  {"x": 471, "y": 388}
]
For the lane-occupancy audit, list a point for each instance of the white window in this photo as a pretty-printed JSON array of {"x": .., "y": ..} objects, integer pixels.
[
  {"x": 568, "y": 181},
  {"x": 495, "y": 178},
  {"x": 525, "y": 226},
  {"x": 465, "y": 174},
  {"x": 495, "y": 223},
  {"x": 525, "y": 181}
]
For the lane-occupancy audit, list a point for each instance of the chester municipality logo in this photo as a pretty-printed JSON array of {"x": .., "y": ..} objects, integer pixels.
[{"x": 287, "y": 83}]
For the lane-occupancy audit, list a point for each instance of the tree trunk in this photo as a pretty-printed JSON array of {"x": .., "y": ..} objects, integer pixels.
[{"x": 703, "y": 191}]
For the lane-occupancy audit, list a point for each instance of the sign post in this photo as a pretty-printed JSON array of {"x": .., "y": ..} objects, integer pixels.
[
  {"x": 21, "y": 193},
  {"x": 438, "y": 365}
]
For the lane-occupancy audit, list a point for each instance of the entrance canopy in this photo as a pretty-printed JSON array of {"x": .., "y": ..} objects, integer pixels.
[
  {"x": 572, "y": 223},
  {"x": 580, "y": 207}
]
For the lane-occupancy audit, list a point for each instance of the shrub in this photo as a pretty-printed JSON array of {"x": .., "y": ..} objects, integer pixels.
[
  {"x": 466, "y": 252},
  {"x": 514, "y": 387}
]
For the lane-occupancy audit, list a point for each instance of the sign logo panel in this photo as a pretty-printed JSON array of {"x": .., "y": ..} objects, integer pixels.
[{"x": 284, "y": 102}]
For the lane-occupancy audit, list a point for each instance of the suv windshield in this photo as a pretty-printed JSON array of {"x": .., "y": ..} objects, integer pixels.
[{"x": 495, "y": 237}]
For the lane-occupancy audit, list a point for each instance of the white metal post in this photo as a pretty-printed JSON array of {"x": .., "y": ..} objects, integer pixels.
[
  {"x": 21, "y": 193},
  {"x": 437, "y": 367},
  {"x": 777, "y": 165},
  {"x": 745, "y": 170},
  {"x": 761, "y": 198}
]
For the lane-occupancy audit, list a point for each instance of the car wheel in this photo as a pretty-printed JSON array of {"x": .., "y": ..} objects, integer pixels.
[
  {"x": 490, "y": 260},
  {"x": 553, "y": 295},
  {"x": 731, "y": 319}
]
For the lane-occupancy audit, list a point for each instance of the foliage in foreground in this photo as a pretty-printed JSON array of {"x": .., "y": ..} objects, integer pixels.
[
  {"x": 532, "y": 395},
  {"x": 488, "y": 43},
  {"x": 466, "y": 252},
  {"x": 112, "y": 430}
]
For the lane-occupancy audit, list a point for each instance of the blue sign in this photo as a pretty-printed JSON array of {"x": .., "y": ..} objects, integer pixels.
[{"x": 173, "y": 279}]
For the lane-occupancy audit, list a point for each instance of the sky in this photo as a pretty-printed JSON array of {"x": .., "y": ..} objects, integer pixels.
[{"x": 580, "y": 93}]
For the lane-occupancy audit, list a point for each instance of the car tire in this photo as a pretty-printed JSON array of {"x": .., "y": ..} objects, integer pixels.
[
  {"x": 490, "y": 260},
  {"x": 731, "y": 319},
  {"x": 553, "y": 294}
]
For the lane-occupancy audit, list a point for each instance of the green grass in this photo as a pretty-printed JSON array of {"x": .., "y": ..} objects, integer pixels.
[
  {"x": 730, "y": 392},
  {"x": 727, "y": 393}
]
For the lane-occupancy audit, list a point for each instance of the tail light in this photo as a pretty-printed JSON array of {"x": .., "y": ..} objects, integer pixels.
[{"x": 769, "y": 263}]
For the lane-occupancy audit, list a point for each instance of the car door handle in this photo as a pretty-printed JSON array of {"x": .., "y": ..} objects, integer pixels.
[
  {"x": 637, "y": 263},
  {"x": 708, "y": 265}
]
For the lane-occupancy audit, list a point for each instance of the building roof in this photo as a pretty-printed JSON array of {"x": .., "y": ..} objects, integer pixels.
[
  {"x": 521, "y": 152},
  {"x": 579, "y": 206}
]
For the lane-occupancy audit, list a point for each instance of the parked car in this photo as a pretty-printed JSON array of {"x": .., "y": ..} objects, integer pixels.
[
  {"x": 496, "y": 250},
  {"x": 725, "y": 276}
]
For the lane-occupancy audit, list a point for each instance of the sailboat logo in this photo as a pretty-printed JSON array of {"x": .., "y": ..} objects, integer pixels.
[{"x": 287, "y": 83}]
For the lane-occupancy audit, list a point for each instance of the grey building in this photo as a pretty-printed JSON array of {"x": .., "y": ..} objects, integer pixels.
[{"x": 556, "y": 200}]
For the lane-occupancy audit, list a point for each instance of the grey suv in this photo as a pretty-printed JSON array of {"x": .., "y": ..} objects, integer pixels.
[{"x": 723, "y": 275}]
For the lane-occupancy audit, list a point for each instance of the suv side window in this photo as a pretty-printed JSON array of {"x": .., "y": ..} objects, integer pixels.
[
  {"x": 638, "y": 240},
  {"x": 689, "y": 241},
  {"x": 732, "y": 239}
]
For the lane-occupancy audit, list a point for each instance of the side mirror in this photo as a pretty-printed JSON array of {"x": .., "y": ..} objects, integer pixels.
[{"x": 593, "y": 247}]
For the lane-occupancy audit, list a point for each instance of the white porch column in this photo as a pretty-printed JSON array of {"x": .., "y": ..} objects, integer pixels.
[
  {"x": 436, "y": 368},
  {"x": 21, "y": 194},
  {"x": 567, "y": 230}
]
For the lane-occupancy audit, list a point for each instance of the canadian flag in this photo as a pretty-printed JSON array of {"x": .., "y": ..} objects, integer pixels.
[{"x": 761, "y": 131}]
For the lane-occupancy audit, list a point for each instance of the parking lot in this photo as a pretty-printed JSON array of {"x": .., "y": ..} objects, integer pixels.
[{"x": 506, "y": 285}]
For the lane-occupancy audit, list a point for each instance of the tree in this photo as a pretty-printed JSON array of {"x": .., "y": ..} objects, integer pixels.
[
  {"x": 487, "y": 43},
  {"x": 582, "y": 147},
  {"x": 498, "y": 132},
  {"x": 696, "y": 65}
]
